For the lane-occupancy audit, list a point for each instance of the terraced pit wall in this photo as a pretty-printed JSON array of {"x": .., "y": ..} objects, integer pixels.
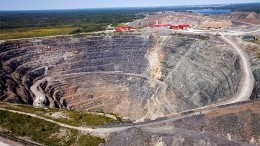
[{"x": 136, "y": 76}]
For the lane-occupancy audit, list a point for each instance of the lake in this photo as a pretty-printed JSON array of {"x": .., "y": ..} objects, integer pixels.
[{"x": 211, "y": 11}]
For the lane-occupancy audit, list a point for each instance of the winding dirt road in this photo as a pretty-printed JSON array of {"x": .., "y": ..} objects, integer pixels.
[
  {"x": 104, "y": 132},
  {"x": 248, "y": 80}
]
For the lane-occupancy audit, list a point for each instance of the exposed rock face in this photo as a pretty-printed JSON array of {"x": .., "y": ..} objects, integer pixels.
[
  {"x": 256, "y": 91},
  {"x": 255, "y": 63},
  {"x": 10, "y": 90},
  {"x": 198, "y": 72},
  {"x": 2, "y": 83},
  {"x": 166, "y": 137},
  {"x": 235, "y": 125},
  {"x": 256, "y": 72},
  {"x": 136, "y": 76}
]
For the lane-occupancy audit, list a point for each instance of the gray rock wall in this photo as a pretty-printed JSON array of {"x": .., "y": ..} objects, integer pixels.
[
  {"x": 137, "y": 76},
  {"x": 201, "y": 71},
  {"x": 168, "y": 137}
]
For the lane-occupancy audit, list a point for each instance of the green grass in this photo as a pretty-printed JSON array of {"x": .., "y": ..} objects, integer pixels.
[
  {"x": 34, "y": 32},
  {"x": 84, "y": 118},
  {"x": 44, "y": 132},
  {"x": 75, "y": 118}
]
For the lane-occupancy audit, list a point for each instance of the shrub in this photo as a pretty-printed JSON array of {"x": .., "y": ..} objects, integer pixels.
[
  {"x": 44, "y": 132},
  {"x": 77, "y": 31}
]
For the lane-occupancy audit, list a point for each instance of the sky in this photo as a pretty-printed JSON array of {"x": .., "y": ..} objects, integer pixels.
[{"x": 79, "y": 4}]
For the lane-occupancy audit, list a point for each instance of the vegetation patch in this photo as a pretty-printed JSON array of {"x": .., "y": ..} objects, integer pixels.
[
  {"x": 75, "y": 118},
  {"x": 84, "y": 118},
  {"x": 201, "y": 37},
  {"x": 43, "y": 132},
  {"x": 27, "y": 33},
  {"x": 16, "y": 25}
]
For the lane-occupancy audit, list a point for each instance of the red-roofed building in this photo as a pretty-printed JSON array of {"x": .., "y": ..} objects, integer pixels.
[
  {"x": 160, "y": 25},
  {"x": 120, "y": 29},
  {"x": 181, "y": 26},
  {"x": 174, "y": 27},
  {"x": 125, "y": 28}
]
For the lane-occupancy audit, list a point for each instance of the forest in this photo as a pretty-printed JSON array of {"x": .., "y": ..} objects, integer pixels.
[{"x": 23, "y": 24}]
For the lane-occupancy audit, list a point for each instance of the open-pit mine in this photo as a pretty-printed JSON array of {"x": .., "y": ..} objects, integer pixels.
[
  {"x": 136, "y": 76},
  {"x": 173, "y": 86}
]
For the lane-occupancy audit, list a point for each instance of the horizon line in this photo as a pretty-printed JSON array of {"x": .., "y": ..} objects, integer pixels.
[{"x": 125, "y": 7}]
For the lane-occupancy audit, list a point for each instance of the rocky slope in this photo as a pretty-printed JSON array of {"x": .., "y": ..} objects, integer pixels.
[
  {"x": 248, "y": 17},
  {"x": 137, "y": 76},
  {"x": 166, "y": 137},
  {"x": 233, "y": 125},
  {"x": 2, "y": 84}
]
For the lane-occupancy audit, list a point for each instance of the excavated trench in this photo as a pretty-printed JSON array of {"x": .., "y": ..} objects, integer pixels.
[{"x": 136, "y": 76}]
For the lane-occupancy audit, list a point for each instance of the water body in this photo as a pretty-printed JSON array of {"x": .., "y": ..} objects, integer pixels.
[{"x": 211, "y": 11}]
